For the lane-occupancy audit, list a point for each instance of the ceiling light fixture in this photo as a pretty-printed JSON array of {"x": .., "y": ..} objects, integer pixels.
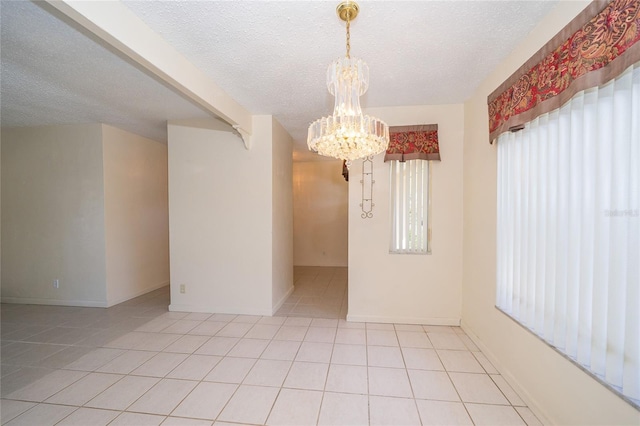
[{"x": 347, "y": 134}]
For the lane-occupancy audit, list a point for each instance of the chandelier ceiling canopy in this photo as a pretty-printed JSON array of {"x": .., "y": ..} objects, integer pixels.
[{"x": 347, "y": 134}]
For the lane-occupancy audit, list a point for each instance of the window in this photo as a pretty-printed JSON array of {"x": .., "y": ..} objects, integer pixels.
[
  {"x": 568, "y": 241},
  {"x": 410, "y": 201}
]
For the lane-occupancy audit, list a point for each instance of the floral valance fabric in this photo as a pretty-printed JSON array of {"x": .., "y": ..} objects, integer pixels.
[
  {"x": 600, "y": 43},
  {"x": 413, "y": 142}
]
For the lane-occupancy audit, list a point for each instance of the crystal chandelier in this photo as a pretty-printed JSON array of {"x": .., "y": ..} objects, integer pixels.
[{"x": 347, "y": 134}]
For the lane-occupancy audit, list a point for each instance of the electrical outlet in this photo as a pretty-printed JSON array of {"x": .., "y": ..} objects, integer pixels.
[
  {"x": 56, "y": 283},
  {"x": 183, "y": 288}
]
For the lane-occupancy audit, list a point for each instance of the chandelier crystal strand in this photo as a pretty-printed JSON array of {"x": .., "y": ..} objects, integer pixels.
[{"x": 347, "y": 134}]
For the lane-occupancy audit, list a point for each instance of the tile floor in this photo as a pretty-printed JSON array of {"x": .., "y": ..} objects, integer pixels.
[{"x": 138, "y": 364}]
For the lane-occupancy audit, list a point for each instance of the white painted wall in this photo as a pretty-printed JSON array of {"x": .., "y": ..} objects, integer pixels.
[
  {"x": 282, "y": 204},
  {"x": 320, "y": 214},
  {"x": 220, "y": 218},
  {"x": 136, "y": 214},
  {"x": 53, "y": 215},
  {"x": 552, "y": 386},
  {"x": 403, "y": 288}
]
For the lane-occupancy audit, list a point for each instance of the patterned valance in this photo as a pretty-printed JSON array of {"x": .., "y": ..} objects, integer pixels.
[
  {"x": 596, "y": 46},
  {"x": 413, "y": 142}
]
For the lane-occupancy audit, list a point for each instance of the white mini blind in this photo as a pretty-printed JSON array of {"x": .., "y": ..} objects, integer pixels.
[
  {"x": 568, "y": 241},
  {"x": 409, "y": 184}
]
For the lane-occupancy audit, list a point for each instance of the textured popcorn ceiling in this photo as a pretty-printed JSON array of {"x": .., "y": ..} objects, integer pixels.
[{"x": 271, "y": 56}]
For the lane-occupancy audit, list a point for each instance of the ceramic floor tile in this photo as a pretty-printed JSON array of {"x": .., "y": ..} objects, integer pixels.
[
  {"x": 389, "y": 382},
  {"x": 94, "y": 359},
  {"x": 349, "y": 354},
  {"x": 64, "y": 357},
  {"x": 307, "y": 375},
  {"x": 127, "y": 341},
  {"x": 47, "y": 386},
  {"x": 20, "y": 378},
  {"x": 127, "y": 362},
  {"x": 182, "y": 326},
  {"x": 234, "y": 329},
  {"x": 432, "y": 385},
  {"x": 342, "y": 323},
  {"x": 342, "y": 409},
  {"x": 468, "y": 343},
  {"x": 248, "y": 348},
  {"x": 123, "y": 393},
  {"x": 156, "y": 341},
  {"x": 156, "y": 325},
  {"x": 439, "y": 329},
  {"x": 89, "y": 416},
  {"x": 163, "y": 397},
  {"x": 384, "y": 356},
  {"x": 412, "y": 339},
  {"x": 80, "y": 392},
  {"x": 437, "y": 413},
  {"x": 160, "y": 365},
  {"x": 262, "y": 331},
  {"x": 285, "y": 350},
  {"x": 42, "y": 415},
  {"x": 409, "y": 327},
  {"x": 351, "y": 336},
  {"x": 446, "y": 341},
  {"x": 347, "y": 379},
  {"x": 324, "y": 322},
  {"x": 206, "y": 401},
  {"x": 381, "y": 337},
  {"x": 508, "y": 391},
  {"x": 195, "y": 367},
  {"x": 250, "y": 404},
  {"x": 11, "y": 409},
  {"x": 422, "y": 359},
  {"x": 386, "y": 411},
  {"x": 230, "y": 370},
  {"x": 267, "y": 372},
  {"x": 459, "y": 361},
  {"x": 527, "y": 415},
  {"x": 197, "y": 316},
  {"x": 315, "y": 352},
  {"x": 180, "y": 421},
  {"x": 222, "y": 317},
  {"x": 296, "y": 408},
  {"x": 494, "y": 415},
  {"x": 247, "y": 319},
  {"x": 298, "y": 322},
  {"x": 33, "y": 356},
  {"x": 477, "y": 388},
  {"x": 272, "y": 320},
  {"x": 217, "y": 346},
  {"x": 380, "y": 326},
  {"x": 208, "y": 328},
  {"x": 320, "y": 334},
  {"x": 486, "y": 364},
  {"x": 187, "y": 344},
  {"x": 294, "y": 333},
  {"x": 137, "y": 419}
]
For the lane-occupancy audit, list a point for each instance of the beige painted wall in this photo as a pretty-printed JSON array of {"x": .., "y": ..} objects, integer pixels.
[
  {"x": 136, "y": 214},
  {"x": 424, "y": 289},
  {"x": 53, "y": 215},
  {"x": 282, "y": 244},
  {"x": 320, "y": 214},
  {"x": 221, "y": 218},
  {"x": 552, "y": 386}
]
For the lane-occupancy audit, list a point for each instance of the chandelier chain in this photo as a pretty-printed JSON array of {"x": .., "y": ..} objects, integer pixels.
[{"x": 348, "y": 35}]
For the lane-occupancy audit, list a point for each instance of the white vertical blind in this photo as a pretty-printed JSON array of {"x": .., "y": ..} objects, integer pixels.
[
  {"x": 569, "y": 229},
  {"x": 409, "y": 185}
]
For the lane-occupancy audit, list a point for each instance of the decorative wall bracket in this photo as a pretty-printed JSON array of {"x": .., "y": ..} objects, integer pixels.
[
  {"x": 367, "y": 188},
  {"x": 246, "y": 137}
]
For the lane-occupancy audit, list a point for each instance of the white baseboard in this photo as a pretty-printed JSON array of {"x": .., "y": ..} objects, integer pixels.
[
  {"x": 174, "y": 307},
  {"x": 55, "y": 302},
  {"x": 404, "y": 320},
  {"x": 511, "y": 380},
  {"x": 137, "y": 293},
  {"x": 282, "y": 300}
]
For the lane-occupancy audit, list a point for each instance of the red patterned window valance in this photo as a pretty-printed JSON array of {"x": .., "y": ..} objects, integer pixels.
[
  {"x": 600, "y": 43},
  {"x": 413, "y": 142}
]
